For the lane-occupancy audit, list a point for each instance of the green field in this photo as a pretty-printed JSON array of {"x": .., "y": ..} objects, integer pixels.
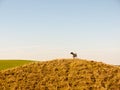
[{"x": 5, "y": 64}]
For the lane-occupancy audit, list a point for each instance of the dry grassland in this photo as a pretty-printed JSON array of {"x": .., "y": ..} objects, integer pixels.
[{"x": 65, "y": 74}]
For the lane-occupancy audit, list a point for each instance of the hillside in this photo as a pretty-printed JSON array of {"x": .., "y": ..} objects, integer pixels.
[
  {"x": 62, "y": 74},
  {"x": 5, "y": 64}
]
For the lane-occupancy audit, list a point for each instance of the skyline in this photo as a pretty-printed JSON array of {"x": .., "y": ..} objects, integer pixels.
[{"x": 44, "y": 30}]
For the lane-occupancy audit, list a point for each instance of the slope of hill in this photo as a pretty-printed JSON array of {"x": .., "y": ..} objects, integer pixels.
[
  {"x": 4, "y": 64},
  {"x": 61, "y": 75}
]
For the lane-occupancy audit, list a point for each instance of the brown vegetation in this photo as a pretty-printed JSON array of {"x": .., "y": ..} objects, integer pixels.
[{"x": 61, "y": 75}]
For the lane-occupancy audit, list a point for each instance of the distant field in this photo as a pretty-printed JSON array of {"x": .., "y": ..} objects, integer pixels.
[{"x": 5, "y": 64}]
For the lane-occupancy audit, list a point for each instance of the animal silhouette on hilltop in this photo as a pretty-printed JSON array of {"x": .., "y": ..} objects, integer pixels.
[{"x": 74, "y": 55}]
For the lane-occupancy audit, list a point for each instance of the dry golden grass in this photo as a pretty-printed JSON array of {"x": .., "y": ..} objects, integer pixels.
[{"x": 65, "y": 74}]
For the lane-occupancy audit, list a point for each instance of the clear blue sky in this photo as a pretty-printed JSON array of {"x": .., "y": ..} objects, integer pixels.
[{"x": 49, "y": 29}]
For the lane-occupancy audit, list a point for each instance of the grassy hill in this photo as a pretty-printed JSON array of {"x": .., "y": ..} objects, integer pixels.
[
  {"x": 65, "y": 74},
  {"x": 5, "y": 64}
]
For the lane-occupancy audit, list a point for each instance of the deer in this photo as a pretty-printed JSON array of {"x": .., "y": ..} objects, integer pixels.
[{"x": 74, "y": 55}]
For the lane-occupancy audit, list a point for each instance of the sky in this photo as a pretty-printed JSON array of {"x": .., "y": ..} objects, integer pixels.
[{"x": 51, "y": 29}]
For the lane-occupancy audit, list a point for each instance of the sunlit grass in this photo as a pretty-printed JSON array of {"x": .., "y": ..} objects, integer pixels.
[{"x": 64, "y": 74}]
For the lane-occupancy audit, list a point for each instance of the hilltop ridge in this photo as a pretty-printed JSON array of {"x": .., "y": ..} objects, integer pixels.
[{"x": 63, "y": 74}]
